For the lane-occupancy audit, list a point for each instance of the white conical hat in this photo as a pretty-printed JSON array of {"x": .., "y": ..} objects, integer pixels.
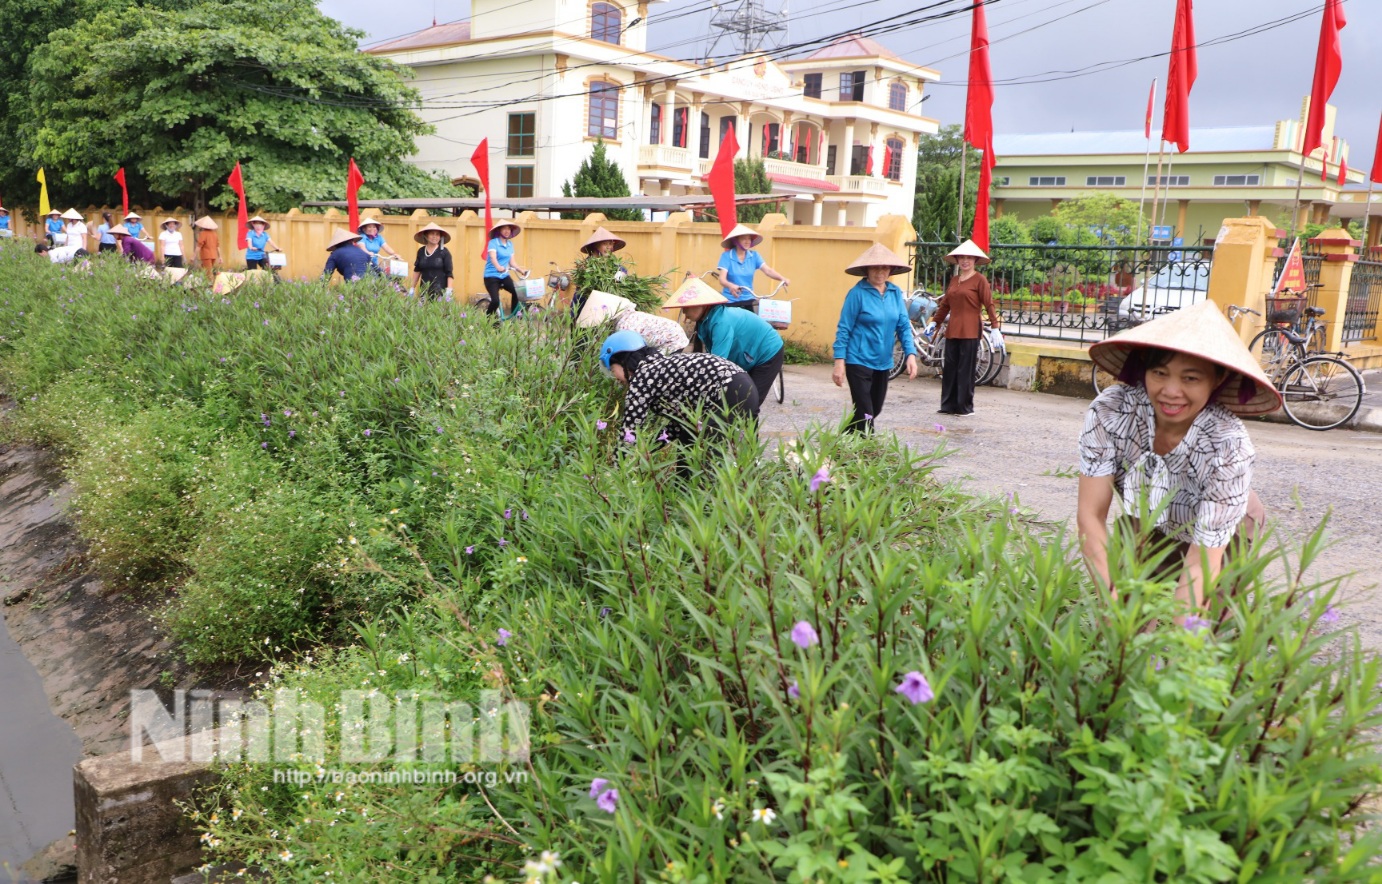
[
  {"x": 166, "y": 221},
  {"x": 601, "y": 307},
  {"x": 1203, "y": 332},
  {"x": 421, "y": 236},
  {"x": 694, "y": 293},
  {"x": 260, "y": 220},
  {"x": 741, "y": 230},
  {"x": 119, "y": 230},
  {"x": 340, "y": 236},
  {"x": 72, "y": 215},
  {"x": 135, "y": 215},
  {"x": 205, "y": 222},
  {"x": 968, "y": 247},
  {"x": 506, "y": 222},
  {"x": 360, "y": 228},
  {"x": 878, "y": 255},
  {"x": 602, "y": 235}
]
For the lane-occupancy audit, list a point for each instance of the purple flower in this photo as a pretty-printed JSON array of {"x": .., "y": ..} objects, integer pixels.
[
  {"x": 868, "y": 417},
  {"x": 793, "y": 691},
  {"x": 939, "y": 428},
  {"x": 503, "y": 542},
  {"x": 663, "y": 437},
  {"x": 804, "y": 635},
  {"x": 439, "y": 429},
  {"x": 504, "y": 636},
  {"x": 916, "y": 688},
  {"x": 508, "y": 513},
  {"x": 368, "y": 432},
  {"x": 629, "y": 437},
  {"x": 256, "y": 305},
  {"x": 600, "y": 425},
  {"x": 1195, "y": 624},
  {"x": 292, "y": 434},
  {"x": 608, "y": 800},
  {"x": 1330, "y": 615},
  {"x": 287, "y": 412},
  {"x": 470, "y": 550},
  {"x": 264, "y": 419},
  {"x": 822, "y": 476},
  {"x": 523, "y": 514},
  {"x": 266, "y": 322},
  {"x": 597, "y": 786},
  {"x": 263, "y": 444}
]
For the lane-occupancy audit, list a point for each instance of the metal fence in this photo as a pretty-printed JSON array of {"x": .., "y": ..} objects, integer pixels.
[
  {"x": 1077, "y": 293},
  {"x": 1364, "y": 301}
]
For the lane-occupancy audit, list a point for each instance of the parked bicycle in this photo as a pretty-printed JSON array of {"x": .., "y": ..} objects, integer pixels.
[
  {"x": 1288, "y": 319},
  {"x": 1319, "y": 391},
  {"x": 930, "y": 342}
]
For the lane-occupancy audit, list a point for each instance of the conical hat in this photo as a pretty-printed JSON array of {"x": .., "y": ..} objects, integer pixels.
[
  {"x": 119, "y": 230},
  {"x": 602, "y": 235},
  {"x": 601, "y": 307},
  {"x": 1200, "y": 331},
  {"x": 694, "y": 293},
  {"x": 166, "y": 221},
  {"x": 175, "y": 274},
  {"x": 260, "y": 220},
  {"x": 878, "y": 255},
  {"x": 738, "y": 231},
  {"x": 135, "y": 215},
  {"x": 340, "y": 236},
  {"x": 205, "y": 222},
  {"x": 505, "y": 222},
  {"x": 421, "y": 236},
  {"x": 5, "y": 210},
  {"x": 54, "y": 212},
  {"x": 360, "y": 228},
  {"x": 72, "y": 215},
  {"x": 968, "y": 248}
]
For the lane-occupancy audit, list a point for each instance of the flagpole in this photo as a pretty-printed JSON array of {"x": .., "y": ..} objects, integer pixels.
[
  {"x": 1166, "y": 194},
  {"x": 960, "y": 215},
  {"x": 1367, "y": 216},
  {"x": 1295, "y": 213},
  {"x": 1146, "y": 163}
]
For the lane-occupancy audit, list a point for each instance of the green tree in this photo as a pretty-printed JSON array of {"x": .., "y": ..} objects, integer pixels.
[
  {"x": 1093, "y": 218},
  {"x": 751, "y": 176},
  {"x": 177, "y": 96},
  {"x": 600, "y": 176},
  {"x": 936, "y": 204},
  {"x": 1009, "y": 231}
]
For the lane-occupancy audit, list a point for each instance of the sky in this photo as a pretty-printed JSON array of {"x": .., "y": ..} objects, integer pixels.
[{"x": 1253, "y": 80}]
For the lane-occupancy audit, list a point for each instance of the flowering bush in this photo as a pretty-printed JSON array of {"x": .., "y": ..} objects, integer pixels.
[{"x": 824, "y": 667}]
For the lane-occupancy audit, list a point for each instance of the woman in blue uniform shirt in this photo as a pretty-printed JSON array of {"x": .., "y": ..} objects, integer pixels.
[
  {"x": 874, "y": 315},
  {"x": 739, "y": 264}
]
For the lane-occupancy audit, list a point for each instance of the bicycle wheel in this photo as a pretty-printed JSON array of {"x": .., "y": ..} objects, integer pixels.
[
  {"x": 983, "y": 362},
  {"x": 1321, "y": 392},
  {"x": 1102, "y": 379},
  {"x": 780, "y": 389},
  {"x": 1275, "y": 352},
  {"x": 899, "y": 361},
  {"x": 1000, "y": 359},
  {"x": 1314, "y": 345}
]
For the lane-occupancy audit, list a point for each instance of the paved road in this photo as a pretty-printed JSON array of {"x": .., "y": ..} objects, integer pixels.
[{"x": 1025, "y": 444}]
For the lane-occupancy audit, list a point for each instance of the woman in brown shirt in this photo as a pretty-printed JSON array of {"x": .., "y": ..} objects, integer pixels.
[
  {"x": 967, "y": 293},
  {"x": 208, "y": 244}
]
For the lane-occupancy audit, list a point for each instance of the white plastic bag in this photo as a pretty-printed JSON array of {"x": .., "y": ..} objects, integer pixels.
[
  {"x": 534, "y": 289},
  {"x": 777, "y": 313},
  {"x": 278, "y": 259},
  {"x": 398, "y": 268}
]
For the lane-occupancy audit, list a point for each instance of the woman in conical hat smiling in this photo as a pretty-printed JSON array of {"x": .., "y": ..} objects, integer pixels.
[
  {"x": 738, "y": 265},
  {"x": 1168, "y": 442}
]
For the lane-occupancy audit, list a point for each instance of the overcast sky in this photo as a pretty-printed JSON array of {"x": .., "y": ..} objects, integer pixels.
[{"x": 1255, "y": 79}]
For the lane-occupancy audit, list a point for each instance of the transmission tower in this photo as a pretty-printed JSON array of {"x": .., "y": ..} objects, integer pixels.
[{"x": 747, "y": 26}]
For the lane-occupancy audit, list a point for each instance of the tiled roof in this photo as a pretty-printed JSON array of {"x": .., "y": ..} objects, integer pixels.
[
  {"x": 852, "y": 46},
  {"x": 437, "y": 35},
  {"x": 1240, "y": 138}
]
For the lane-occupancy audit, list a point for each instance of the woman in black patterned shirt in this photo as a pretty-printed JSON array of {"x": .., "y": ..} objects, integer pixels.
[
  {"x": 696, "y": 393},
  {"x": 1168, "y": 443}
]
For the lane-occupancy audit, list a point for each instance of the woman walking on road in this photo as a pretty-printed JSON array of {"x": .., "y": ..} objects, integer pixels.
[
  {"x": 1168, "y": 441},
  {"x": 967, "y": 293},
  {"x": 874, "y": 315}
]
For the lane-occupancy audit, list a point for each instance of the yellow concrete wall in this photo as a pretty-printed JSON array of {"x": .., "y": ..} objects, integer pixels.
[{"x": 813, "y": 258}]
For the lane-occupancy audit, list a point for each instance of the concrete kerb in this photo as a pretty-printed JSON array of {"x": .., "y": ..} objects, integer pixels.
[{"x": 1064, "y": 369}]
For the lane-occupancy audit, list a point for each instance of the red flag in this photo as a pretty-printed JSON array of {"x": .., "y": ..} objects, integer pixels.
[
  {"x": 979, "y": 119},
  {"x": 1180, "y": 77},
  {"x": 1343, "y": 171},
  {"x": 480, "y": 160},
  {"x": 887, "y": 159},
  {"x": 721, "y": 180},
  {"x": 119, "y": 177},
  {"x": 1151, "y": 99},
  {"x": 353, "y": 181},
  {"x": 1328, "y": 63},
  {"x": 685, "y": 113},
  {"x": 868, "y": 162},
  {"x": 1324, "y": 166},
  {"x": 242, "y": 215},
  {"x": 1376, "y": 175}
]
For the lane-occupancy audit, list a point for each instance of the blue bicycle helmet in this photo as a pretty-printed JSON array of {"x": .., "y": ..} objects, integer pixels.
[{"x": 620, "y": 342}]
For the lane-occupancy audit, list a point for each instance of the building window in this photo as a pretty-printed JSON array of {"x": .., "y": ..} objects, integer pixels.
[
  {"x": 1169, "y": 181},
  {"x": 897, "y": 97},
  {"x": 811, "y": 88},
  {"x": 1106, "y": 181},
  {"x": 859, "y": 160},
  {"x": 830, "y": 160},
  {"x": 852, "y": 86},
  {"x": 679, "y": 118},
  {"x": 518, "y": 181},
  {"x": 705, "y": 136},
  {"x": 1046, "y": 181},
  {"x": 1236, "y": 180},
  {"x": 1001, "y": 182},
  {"x": 604, "y": 111},
  {"x": 655, "y": 125},
  {"x": 771, "y": 139},
  {"x": 522, "y": 135},
  {"x": 894, "y": 155},
  {"x": 804, "y": 143},
  {"x": 605, "y": 23},
  {"x": 726, "y": 125}
]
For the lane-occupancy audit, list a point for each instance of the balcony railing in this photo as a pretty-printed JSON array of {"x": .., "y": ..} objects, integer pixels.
[
  {"x": 662, "y": 156},
  {"x": 865, "y": 184},
  {"x": 800, "y": 170}
]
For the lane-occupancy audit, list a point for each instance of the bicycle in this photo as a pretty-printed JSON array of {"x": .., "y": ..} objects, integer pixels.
[
  {"x": 780, "y": 322},
  {"x": 931, "y": 348},
  {"x": 1270, "y": 345},
  {"x": 526, "y": 306},
  {"x": 1318, "y": 391}
]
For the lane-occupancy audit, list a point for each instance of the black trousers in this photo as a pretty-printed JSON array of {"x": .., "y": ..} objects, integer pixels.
[
  {"x": 750, "y": 305},
  {"x": 739, "y": 402},
  {"x": 764, "y": 375},
  {"x": 957, "y": 380},
  {"x": 106, "y": 247},
  {"x": 868, "y": 387},
  {"x": 172, "y": 260},
  {"x": 257, "y": 264},
  {"x": 493, "y": 285}
]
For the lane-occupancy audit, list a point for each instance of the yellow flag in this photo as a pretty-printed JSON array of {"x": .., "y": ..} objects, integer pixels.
[{"x": 43, "y": 207}]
